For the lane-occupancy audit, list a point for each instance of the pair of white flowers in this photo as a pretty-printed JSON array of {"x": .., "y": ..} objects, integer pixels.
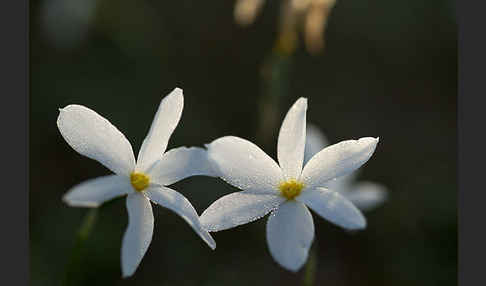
[{"x": 286, "y": 190}]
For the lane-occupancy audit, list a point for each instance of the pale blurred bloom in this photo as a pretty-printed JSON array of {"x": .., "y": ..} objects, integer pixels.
[
  {"x": 246, "y": 11},
  {"x": 286, "y": 189},
  {"x": 309, "y": 15},
  {"x": 143, "y": 180},
  {"x": 365, "y": 195},
  {"x": 315, "y": 24},
  {"x": 66, "y": 23}
]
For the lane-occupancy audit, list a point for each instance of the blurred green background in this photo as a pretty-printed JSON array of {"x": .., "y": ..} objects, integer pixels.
[{"x": 389, "y": 69}]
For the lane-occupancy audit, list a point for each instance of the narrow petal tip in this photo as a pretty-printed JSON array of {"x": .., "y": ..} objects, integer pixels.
[
  {"x": 61, "y": 111},
  {"x": 126, "y": 274},
  {"x": 359, "y": 225},
  {"x": 302, "y": 101},
  {"x": 377, "y": 139},
  {"x": 77, "y": 203},
  {"x": 362, "y": 225},
  {"x": 212, "y": 244},
  {"x": 177, "y": 92},
  {"x": 207, "y": 237},
  {"x": 293, "y": 269},
  {"x": 370, "y": 141},
  {"x": 70, "y": 106},
  {"x": 355, "y": 228},
  {"x": 65, "y": 200}
]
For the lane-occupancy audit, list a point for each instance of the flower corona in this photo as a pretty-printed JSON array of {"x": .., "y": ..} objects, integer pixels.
[
  {"x": 291, "y": 188},
  {"x": 139, "y": 181}
]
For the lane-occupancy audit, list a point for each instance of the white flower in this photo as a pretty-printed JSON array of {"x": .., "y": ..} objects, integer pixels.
[
  {"x": 365, "y": 195},
  {"x": 286, "y": 190},
  {"x": 143, "y": 180}
]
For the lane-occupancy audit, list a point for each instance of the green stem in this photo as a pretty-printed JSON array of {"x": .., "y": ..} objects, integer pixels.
[
  {"x": 74, "y": 266},
  {"x": 310, "y": 268},
  {"x": 275, "y": 73}
]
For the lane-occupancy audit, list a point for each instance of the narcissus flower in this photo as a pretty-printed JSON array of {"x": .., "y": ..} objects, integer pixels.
[
  {"x": 143, "y": 180},
  {"x": 285, "y": 189},
  {"x": 365, "y": 195},
  {"x": 309, "y": 15}
]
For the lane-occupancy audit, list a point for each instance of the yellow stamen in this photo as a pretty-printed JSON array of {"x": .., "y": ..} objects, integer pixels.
[
  {"x": 291, "y": 188},
  {"x": 139, "y": 181}
]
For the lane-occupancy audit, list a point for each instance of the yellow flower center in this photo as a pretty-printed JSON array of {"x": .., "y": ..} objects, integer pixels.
[
  {"x": 139, "y": 181},
  {"x": 291, "y": 188}
]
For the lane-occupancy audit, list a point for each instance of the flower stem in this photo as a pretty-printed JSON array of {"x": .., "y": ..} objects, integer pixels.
[
  {"x": 275, "y": 73},
  {"x": 73, "y": 267},
  {"x": 310, "y": 268}
]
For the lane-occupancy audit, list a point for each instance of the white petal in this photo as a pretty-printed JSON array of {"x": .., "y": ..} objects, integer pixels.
[
  {"x": 291, "y": 140},
  {"x": 94, "y": 192},
  {"x": 237, "y": 209},
  {"x": 180, "y": 163},
  {"x": 138, "y": 234},
  {"x": 93, "y": 136},
  {"x": 341, "y": 184},
  {"x": 338, "y": 160},
  {"x": 165, "y": 121},
  {"x": 333, "y": 207},
  {"x": 367, "y": 195},
  {"x": 315, "y": 141},
  {"x": 177, "y": 203},
  {"x": 243, "y": 165},
  {"x": 290, "y": 231}
]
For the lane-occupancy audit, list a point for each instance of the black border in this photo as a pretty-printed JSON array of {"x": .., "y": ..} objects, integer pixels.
[
  {"x": 471, "y": 142},
  {"x": 14, "y": 235}
]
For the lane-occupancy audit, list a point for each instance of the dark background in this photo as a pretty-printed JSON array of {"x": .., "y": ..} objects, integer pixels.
[{"x": 389, "y": 69}]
